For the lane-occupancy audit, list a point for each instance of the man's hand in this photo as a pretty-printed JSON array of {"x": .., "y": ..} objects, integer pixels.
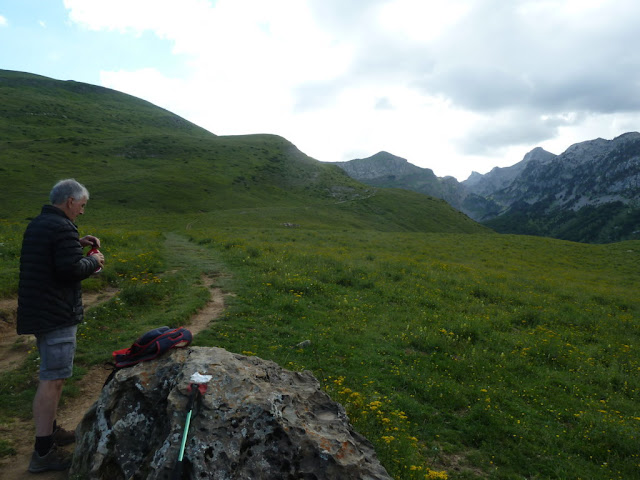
[
  {"x": 100, "y": 257},
  {"x": 90, "y": 241}
]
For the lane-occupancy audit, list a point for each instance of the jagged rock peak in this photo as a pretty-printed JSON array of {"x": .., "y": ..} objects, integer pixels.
[
  {"x": 539, "y": 154},
  {"x": 255, "y": 420},
  {"x": 386, "y": 156},
  {"x": 473, "y": 178}
]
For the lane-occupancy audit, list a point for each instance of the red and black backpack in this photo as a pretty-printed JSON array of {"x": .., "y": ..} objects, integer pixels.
[{"x": 151, "y": 345}]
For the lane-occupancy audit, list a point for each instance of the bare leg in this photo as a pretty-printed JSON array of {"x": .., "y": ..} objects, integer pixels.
[{"x": 45, "y": 405}]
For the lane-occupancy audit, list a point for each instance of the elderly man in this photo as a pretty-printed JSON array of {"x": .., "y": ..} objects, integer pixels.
[{"x": 52, "y": 265}]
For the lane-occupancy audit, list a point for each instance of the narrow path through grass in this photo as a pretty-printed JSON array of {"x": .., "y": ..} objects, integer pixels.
[
  {"x": 181, "y": 253},
  {"x": 188, "y": 290}
]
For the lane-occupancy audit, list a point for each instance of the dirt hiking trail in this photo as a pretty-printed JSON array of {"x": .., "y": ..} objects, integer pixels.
[{"x": 14, "y": 349}]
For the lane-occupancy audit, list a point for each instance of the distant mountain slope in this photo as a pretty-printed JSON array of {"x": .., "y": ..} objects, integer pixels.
[
  {"x": 386, "y": 170},
  {"x": 590, "y": 193},
  {"x": 140, "y": 160},
  {"x": 593, "y": 173}
]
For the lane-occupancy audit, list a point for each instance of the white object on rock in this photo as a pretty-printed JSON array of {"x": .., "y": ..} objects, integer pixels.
[{"x": 199, "y": 378}]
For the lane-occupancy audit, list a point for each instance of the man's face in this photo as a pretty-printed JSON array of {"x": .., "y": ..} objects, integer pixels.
[{"x": 74, "y": 207}]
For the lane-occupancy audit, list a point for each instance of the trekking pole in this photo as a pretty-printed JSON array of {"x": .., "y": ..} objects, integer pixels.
[{"x": 198, "y": 384}]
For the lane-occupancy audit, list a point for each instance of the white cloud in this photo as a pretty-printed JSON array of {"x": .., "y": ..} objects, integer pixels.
[
  {"x": 3, "y": 21},
  {"x": 536, "y": 55},
  {"x": 244, "y": 59},
  {"x": 449, "y": 86},
  {"x": 163, "y": 17},
  {"x": 512, "y": 127},
  {"x": 421, "y": 20}
]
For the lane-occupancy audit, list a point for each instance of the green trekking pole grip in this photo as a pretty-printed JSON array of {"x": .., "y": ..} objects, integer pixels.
[
  {"x": 198, "y": 385},
  {"x": 177, "y": 470}
]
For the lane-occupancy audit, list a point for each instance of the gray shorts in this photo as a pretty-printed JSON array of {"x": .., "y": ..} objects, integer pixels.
[{"x": 57, "y": 349}]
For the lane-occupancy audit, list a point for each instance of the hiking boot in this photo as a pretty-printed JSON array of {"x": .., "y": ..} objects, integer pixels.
[
  {"x": 62, "y": 437},
  {"x": 54, "y": 460}
]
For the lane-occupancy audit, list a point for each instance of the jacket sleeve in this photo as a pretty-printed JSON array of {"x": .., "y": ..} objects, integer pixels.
[{"x": 69, "y": 263}]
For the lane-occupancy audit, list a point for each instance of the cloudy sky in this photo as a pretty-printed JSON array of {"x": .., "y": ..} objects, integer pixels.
[{"x": 455, "y": 85}]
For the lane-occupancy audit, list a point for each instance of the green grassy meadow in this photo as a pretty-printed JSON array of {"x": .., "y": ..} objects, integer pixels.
[{"x": 459, "y": 353}]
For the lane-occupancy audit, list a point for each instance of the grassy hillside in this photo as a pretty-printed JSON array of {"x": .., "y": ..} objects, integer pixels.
[
  {"x": 140, "y": 160},
  {"x": 458, "y": 352}
]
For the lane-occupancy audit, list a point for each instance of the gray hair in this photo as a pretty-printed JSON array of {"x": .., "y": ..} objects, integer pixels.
[{"x": 65, "y": 189}]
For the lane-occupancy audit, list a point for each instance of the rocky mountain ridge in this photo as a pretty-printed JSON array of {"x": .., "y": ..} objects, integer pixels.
[
  {"x": 500, "y": 177},
  {"x": 590, "y": 173},
  {"x": 382, "y": 164},
  {"x": 543, "y": 194}
]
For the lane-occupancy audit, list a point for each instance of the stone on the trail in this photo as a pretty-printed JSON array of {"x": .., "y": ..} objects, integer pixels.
[{"x": 256, "y": 420}]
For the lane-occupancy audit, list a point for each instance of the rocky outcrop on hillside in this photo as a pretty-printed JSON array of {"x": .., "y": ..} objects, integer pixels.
[{"x": 255, "y": 420}]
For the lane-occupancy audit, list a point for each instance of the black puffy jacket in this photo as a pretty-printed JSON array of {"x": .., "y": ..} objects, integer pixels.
[{"x": 52, "y": 266}]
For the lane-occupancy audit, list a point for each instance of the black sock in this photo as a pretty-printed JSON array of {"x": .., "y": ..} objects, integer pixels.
[{"x": 43, "y": 445}]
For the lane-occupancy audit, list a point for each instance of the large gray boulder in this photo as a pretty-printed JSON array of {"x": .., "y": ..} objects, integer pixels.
[{"x": 256, "y": 420}]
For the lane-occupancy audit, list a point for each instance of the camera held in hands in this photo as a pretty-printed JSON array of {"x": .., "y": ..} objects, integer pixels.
[{"x": 93, "y": 251}]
